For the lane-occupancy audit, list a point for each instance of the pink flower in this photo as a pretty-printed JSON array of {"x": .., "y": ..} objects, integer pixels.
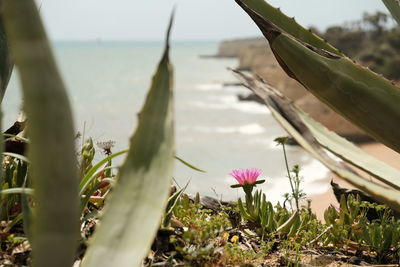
[{"x": 246, "y": 176}]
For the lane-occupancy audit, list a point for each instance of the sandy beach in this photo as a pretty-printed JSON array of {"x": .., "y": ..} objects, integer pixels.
[{"x": 321, "y": 201}]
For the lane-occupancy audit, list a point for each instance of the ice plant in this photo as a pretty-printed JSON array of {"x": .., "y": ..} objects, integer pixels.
[
  {"x": 247, "y": 176},
  {"x": 247, "y": 179}
]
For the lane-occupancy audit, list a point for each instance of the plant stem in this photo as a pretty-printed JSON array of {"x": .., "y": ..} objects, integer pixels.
[
  {"x": 290, "y": 178},
  {"x": 249, "y": 200}
]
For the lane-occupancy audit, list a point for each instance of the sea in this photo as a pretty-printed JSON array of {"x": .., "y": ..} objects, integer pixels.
[{"x": 107, "y": 84}]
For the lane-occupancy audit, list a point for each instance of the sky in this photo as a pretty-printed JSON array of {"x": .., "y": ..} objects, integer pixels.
[{"x": 85, "y": 20}]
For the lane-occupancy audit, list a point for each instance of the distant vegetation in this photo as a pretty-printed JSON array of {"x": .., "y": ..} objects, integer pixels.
[{"x": 369, "y": 41}]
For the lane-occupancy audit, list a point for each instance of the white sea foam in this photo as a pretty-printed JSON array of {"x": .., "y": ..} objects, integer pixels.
[
  {"x": 209, "y": 86},
  {"x": 253, "y": 128},
  {"x": 231, "y": 102},
  {"x": 248, "y": 129},
  {"x": 313, "y": 173}
]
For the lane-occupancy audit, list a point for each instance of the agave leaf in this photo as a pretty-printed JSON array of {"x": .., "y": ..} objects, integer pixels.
[
  {"x": 287, "y": 24},
  {"x": 6, "y": 64},
  {"x": 17, "y": 156},
  {"x": 363, "y": 97},
  {"x": 137, "y": 203},
  {"x": 292, "y": 122},
  {"x": 394, "y": 7},
  {"x": 51, "y": 131},
  {"x": 350, "y": 153},
  {"x": 17, "y": 190}
]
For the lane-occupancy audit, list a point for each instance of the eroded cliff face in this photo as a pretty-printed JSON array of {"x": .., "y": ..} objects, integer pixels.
[
  {"x": 256, "y": 56},
  {"x": 234, "y": 48}
]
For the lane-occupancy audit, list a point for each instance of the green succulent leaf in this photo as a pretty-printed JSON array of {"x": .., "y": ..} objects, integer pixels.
[
  {"x": 137, "y": 203},
  {"x": 6, "y": 63},
  {"x": 363, "y": 97},
  {"x": 350, "y": 153},
  {"x": 172, "y": 202},
  {"x": 394, "y": 7},
  {"x": 16, "y": 156},
  {"x": 295, "y": 227},
  {"x": 95, "y": 170},
  {"x": 290, "y": 119},
  {"x": 287, "y": 225},
  {"x": 271, "y": 223},
  {"x": 17, "y": 190},
  {"x": 189, "y": 164},
  {"x": 52, "y": 149},
  {"x": 261, "y": 10},
  {"x": 243, "y": 211}
]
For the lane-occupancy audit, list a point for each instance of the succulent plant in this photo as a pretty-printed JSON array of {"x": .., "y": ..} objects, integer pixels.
[
  {"x": 138, "y": 201},
  {"x": 362, "y": 96}
]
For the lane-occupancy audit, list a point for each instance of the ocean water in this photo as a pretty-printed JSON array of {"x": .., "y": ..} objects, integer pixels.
[{"x": 107, "y": 84}]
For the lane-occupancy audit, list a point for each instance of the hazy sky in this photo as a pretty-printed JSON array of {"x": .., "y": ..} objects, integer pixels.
[{"x": 195, "y": 19}]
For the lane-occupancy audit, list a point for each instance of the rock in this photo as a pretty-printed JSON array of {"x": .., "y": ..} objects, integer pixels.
[
  {"x": 234, "y": 48},
  {"x": 261, "y": 61},
  {"x": 250, "y": 97},
  {"x": 254, "y": 56}
]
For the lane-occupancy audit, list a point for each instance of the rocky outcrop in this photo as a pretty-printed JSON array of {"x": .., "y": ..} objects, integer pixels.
[
  {"x": 261, "y": 61},
  {"x": 234, "y": 48},
  {"x": 256, "y": 56}
]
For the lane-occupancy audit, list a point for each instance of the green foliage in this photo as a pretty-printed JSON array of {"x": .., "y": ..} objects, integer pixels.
[
  {"x": 394, "y": 7},
  {"x": 55, "y": 230},
  {"x": 370, "y": 42},
  {"x": 266, "y": 220},
  {"x": 234, "y": 255},
  {"x": 205, "y": 229},
  {"x": 293, "y": 176},
  {"x": 172, "y": 202},
  {"x": 6, "y": 62},
  {"x": 15, "y": 176},
  {"x": 87, "y": 155},
  {"x": 54, "y": 172},
  {"x": 304, "y": 130},
  {"x": 134, "y": 209},
  {"x": 383, "y": 238},
  {"x": 289, "y": 25},
  {"x": 191, "y": 166},
  {"x": 358, "y": 94},
  {"x": 350, "y": 226}
]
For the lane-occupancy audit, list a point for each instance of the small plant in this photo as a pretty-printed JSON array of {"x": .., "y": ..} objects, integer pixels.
[
  {"x": 260, "y": 212},
  {"x": 350, "y": 226},
  {"x": 204, "y": 233},
  {"x": 234, "y": 255},
  {"x": 293, "y": 176},
  {"x": 247, "y": 180}
]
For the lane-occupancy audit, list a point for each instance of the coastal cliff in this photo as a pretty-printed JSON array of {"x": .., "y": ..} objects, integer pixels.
[
  {"x": 234, "y": 48},
  {"x": 254, "y": 55}
]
